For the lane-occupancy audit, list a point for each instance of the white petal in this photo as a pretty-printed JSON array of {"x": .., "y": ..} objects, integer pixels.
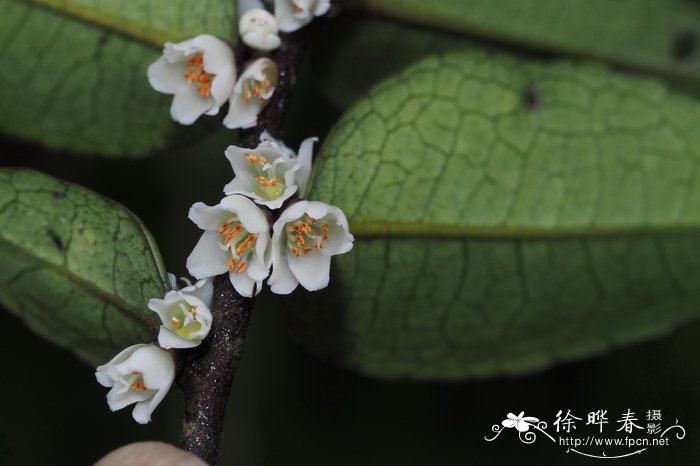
[
  {"x": 239, "y": 162},
  {"x": 305, "y": 162},
  {"x": 263, "y": 42},
  {"x": 287, "y": 19},
  {"x": 242, "y": 114},
  {"x": 218, "y": 54},
  {"x": 282, "y": 280},
  {"x": 117, "y": 401},
  {"x": 259, "y": 266},
  {"x": 156, "y": 366},
  {"x": 312, "y": 270},
  {"x": 251, "y": 217},
  {"x": 172, "y": 280},
  {"x": 244, "y": 284},
  {"x": 293, "y": 212},
  {"x": 322, "y": 7},
  {"x": 188, "y": 104},
  {"x": 202, "y": 290},
  {"x": 160, "y": 307},
  {"x": 509, "y": 423},
  {"x": 339, "y": 240},
  {"x": 121, "y": 357},
  {"x": 166, "y": 77},
  {"x": 208, "y": 259},
  {"x": 167, "y": 340}
]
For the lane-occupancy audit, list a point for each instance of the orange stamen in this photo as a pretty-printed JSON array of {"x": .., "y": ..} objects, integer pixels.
[
  {"x": 251, "y": 157},
  {"x": 138, "y": 386},
  {"x": 241, "y": 267}
]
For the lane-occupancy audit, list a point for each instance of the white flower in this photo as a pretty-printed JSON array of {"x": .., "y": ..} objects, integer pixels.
[
  {"x": 185, "y": 315},
  {"x": 304, "y": 238},
  {"x": 294, "y": 14},
  {"x": 140, "y": 374},
  {"x": 271, "y": 173},
  {"x": 520, "y": 422},
  {"x": 259, "y": 30},
  {"x": 236, "y": 239},
  {"x": 200, "y": 72},
  {"x": 251, "y": 93}
]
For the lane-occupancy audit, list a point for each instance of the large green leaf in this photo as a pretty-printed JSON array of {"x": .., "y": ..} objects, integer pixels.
[
  {"x": 77, "y": 268},
  {"x": 75, "y": 71},
  {"x": 351, "y": 54},
  {"x": 653, "y": 34},
  {"x": 507, "y": 214}
]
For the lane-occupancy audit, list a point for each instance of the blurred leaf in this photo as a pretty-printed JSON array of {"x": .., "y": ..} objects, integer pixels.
[
  {"x": 77, "y": 268},
  {"x": 649, "y": 34},
  {"x": 75, "y": 71},
  {"x": 352, "y": 55},
  {"x": 507, "y": 214}
]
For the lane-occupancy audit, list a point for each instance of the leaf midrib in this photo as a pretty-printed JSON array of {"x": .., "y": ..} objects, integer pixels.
[
  {"x": 138, "y": 32},
  {"x": 407, "y": 229},
  {"x": 121, "y": 305}
]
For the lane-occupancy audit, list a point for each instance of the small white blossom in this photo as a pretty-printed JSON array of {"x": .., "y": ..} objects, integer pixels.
[
  {"x": 304, "y": 238},
  {"x": 140, "y": 374},
  {"x": 252, "y": 93},
  {"x": 185, "y": 315},
  {"x": 236, "y": 239},
  {"x": 271, "y": 173},
  {"x": 259, "y": 30},
  {"x": 201, "y": 72},
  {"x": 294, "y": 14}
]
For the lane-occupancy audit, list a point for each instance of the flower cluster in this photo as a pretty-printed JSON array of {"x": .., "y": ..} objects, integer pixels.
[
  {"x": 143, "y": 373},
  {"x": 239, "y": 237},
  {"x": 261, "y": 229},
  {"x": 201, "y": 72}
]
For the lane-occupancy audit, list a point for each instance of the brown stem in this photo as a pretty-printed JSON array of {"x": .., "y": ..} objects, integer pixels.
[{"x": 205, "y": 373}]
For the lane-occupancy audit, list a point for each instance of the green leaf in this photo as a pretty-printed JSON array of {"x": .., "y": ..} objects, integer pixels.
[
  {"x": 75, "y": 71},
  {"x": 647, "y": 34},
  {"x": 508, "y": 214},
  {"x": 352, "y": 55},
  {"x": 77, "y": 268}
]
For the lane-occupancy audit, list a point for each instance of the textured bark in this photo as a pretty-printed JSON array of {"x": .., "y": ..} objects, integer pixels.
[{"x": 205, "y": 373}]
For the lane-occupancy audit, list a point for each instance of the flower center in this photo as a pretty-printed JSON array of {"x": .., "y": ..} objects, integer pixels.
[
  {"x": 183, "y": 320},
  {"x": 270, "y": 184},
  {"x": 239, "y": 241},
  {"x": 306, "y": 235},
  {"x": 261, "y": 89},
  {"x": 134, "y": 382},
  {"x": 195, "y": 74}
]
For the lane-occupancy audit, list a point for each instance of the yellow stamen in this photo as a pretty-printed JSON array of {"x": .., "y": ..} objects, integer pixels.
[
  {"x": 247, "y": 95},
  {"x": 231, "y": 264},
  {"x": 193, "y": 309},
  {"x": 175, "y": 321},
  {"x": 241, "y": 267}
]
